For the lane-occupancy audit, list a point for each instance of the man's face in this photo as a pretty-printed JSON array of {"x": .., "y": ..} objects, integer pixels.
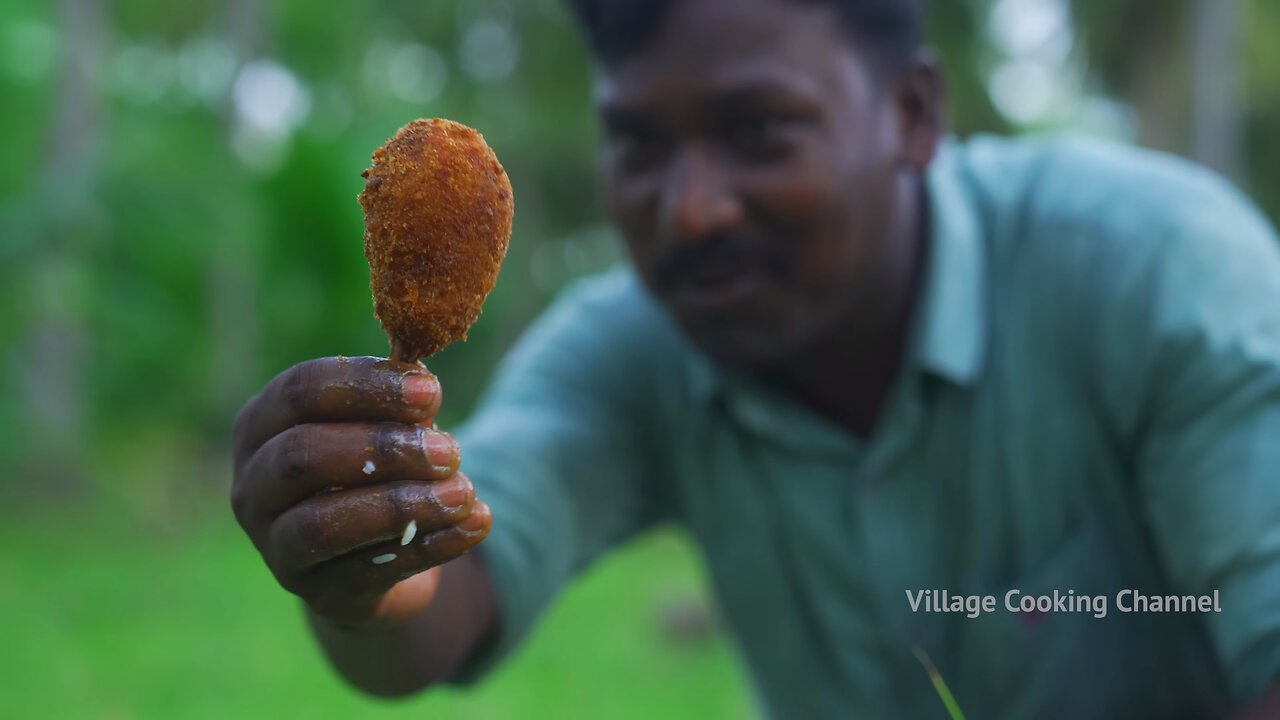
[{"x": 753, "y": 163}]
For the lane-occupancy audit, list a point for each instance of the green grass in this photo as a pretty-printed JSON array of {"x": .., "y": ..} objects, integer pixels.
[
  {"x": 107, "y": 616},
  {"x": 939, "y": 684}
]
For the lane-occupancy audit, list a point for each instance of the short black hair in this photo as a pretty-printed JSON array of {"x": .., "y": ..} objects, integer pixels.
[{"x": 615, "y": 29}]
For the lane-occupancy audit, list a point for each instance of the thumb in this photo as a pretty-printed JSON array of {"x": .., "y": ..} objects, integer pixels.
[{"x": 408, "y": 597}]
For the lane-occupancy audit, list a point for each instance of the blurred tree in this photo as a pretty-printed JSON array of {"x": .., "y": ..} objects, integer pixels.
[
  {"x": 1218, "y": 103},
  {"x": 957, "y": 29},
  {"x": 230, "y": 273},
  {"x": 52, "y": 375},
  {"x": 1199, "y": 75},
  {"x": 1135, "y": 50},
  {"x": 1217, "y": 113}
]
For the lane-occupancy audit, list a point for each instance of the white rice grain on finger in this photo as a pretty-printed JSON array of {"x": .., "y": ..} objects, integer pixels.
[
  {"x": 410, "y": 531},
  {"x": 384, "y": 559}
]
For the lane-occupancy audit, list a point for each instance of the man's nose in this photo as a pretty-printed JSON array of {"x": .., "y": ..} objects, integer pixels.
[{"x": 698, "y": 201}]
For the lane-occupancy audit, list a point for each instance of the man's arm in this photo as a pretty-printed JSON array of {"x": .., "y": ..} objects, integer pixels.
[
  {"x": 395, "y": 659},
  {"x": 1198, "y": 343},
  {"x": 564, "y": 447}
]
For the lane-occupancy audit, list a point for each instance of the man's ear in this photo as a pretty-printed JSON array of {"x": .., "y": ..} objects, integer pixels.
[{"x": 919, "y": 96}]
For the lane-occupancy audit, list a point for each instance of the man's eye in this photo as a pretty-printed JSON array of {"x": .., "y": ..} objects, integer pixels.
[
  {"x": 635, "y": 146},
  {"x": 760, "y": 137}
]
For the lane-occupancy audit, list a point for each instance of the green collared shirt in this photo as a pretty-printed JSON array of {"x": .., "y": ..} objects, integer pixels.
[{"x": 1091, "y": 405}]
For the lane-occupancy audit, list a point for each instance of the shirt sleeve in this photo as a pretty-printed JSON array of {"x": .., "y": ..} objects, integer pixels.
[
  {"x": 1208, "y": 452},
  {"x": 561, "y": 450}
]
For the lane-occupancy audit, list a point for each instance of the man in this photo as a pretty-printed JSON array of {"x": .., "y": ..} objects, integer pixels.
[{"x": 856, "y": 363}]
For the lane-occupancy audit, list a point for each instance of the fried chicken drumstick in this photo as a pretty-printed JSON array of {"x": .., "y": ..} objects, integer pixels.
[{"x": 437, "y": 217}]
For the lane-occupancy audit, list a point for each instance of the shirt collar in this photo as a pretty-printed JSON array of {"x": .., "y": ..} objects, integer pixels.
[
  {"x": 951, "y": 321},
  {"x": 950, "y": 328}
]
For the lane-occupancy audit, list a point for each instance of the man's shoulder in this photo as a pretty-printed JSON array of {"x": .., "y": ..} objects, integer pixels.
[
  {"x": 617, "y": 289},
  {"x": 1113, "y": 249},
  {"x": 608, "y": 308},
  {"x": 1048, "y": 184},
  {"x": 605, "y": 328},
  {"x": 1082, "y": 217}
]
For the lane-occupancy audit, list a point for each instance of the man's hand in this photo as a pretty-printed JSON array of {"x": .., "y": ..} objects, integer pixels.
[{"x": 348, "y": 492}]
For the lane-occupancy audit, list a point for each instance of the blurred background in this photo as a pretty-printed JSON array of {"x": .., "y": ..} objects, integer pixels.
[{"x": 178, "y": 223}]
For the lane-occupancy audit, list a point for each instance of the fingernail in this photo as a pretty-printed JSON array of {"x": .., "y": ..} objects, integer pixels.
[
  {"x": 421, "y": 390},
  {"x": 477, "y": 521},
  {"x": 452, "y": 493},
  {"x": 442, "y": 451}
]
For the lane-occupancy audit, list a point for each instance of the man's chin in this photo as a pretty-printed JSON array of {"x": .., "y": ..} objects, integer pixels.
[
  {"x": 739, "y": 348},
  {"x": 751, "y": 334}
]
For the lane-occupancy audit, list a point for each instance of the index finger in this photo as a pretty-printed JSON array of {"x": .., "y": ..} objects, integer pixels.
[{"x": 336, "y": 389}]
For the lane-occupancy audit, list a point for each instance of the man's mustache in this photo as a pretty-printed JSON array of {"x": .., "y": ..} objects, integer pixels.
[{"x": 686, "y": 262}]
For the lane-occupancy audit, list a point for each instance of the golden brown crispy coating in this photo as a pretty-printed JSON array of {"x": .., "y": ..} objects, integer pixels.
[{"x": 437, "y": 217}]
